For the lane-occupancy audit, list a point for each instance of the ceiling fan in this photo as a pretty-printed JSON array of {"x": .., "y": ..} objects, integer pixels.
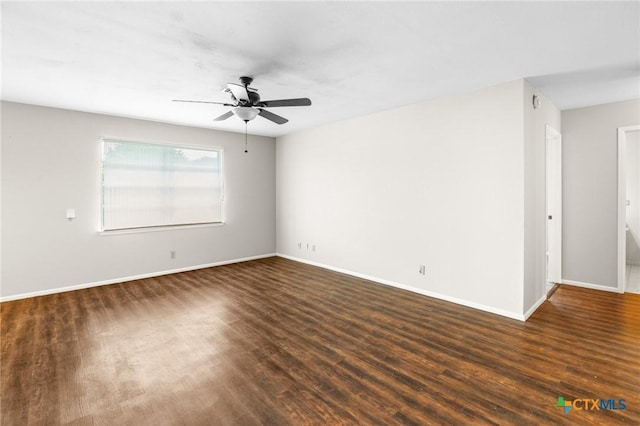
[{"x": 246, "y": 103}]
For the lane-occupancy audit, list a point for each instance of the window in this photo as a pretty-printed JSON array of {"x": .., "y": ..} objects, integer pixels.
[{"x": 148, "y": 185}]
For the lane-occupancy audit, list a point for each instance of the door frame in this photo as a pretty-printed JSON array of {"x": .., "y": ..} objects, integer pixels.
[
  {"x": 550, "y": 135},
  {"x": 622, "y": 197}
]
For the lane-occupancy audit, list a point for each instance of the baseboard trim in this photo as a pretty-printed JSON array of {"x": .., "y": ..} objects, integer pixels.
[
  {"x": 423, "y": 292},
  {"x": 591, "y": 286},
  {"x": 534, "y": 307},
  {"x": 131, "y": 278}
]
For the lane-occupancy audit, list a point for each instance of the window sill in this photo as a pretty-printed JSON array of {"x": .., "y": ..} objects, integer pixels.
[{"x": 159, "y": 229}]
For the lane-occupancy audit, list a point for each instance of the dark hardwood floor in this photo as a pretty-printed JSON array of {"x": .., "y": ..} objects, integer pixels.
[{"x": 278, "y": 342}]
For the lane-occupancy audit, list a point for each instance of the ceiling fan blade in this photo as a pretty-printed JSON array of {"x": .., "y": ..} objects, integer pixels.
[
  {"x": 224, "y": 116},
  {"x": 239, "y": 92},
  {"x": 286, "y": 103},
  {"x": 271, "y": 116},
  {"x": 202, "y": 102}
]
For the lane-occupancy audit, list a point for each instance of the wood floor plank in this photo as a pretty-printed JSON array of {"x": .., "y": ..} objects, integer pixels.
[{"x": 276, "y": 342}]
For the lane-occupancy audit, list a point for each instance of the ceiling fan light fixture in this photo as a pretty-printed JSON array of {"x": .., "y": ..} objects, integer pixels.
[{"x": 245, "y": 113}]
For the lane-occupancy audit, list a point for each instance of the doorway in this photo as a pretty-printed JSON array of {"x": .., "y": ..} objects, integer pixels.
[
  {"x": 553, "y": 208},
  {"x": 629, "y": 209}
]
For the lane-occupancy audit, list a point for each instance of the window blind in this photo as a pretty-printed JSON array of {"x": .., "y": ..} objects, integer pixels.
[{"x": 148, "y": 185}]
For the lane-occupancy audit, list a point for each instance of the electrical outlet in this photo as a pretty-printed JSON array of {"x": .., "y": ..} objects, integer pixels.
[
  {"x": 172, "y": 253},
  {"x": 422, "y": 270},
  {"x": 313, "y": 247},
  {"x": 300, "y": 246}
]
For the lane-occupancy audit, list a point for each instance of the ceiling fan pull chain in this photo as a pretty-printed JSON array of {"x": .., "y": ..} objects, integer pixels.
[{"x": 245, "y": 136}]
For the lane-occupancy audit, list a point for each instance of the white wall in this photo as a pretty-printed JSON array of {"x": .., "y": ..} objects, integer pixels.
[
  {"x": 439, "y": 183},
  {"x": 633, "y": 195},
  {"x": 589, "y": 188},
  {"x": 535, "y": 124},
  {"x": 51, "y": 160}
]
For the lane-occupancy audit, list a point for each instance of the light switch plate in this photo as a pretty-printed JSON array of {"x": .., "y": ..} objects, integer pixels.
[{"x": 71, "y": 214}]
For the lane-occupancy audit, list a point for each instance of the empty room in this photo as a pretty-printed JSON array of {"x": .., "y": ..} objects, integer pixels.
[{"x": 320, "y": 213}]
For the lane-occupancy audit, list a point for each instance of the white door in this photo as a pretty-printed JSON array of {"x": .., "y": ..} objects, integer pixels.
[
  {"x": 628, "y": 201},
  {"x": 554, "y": 206}
]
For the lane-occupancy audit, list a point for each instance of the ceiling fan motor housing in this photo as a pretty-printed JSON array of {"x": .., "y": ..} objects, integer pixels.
[{"x": 254, "y": 97}]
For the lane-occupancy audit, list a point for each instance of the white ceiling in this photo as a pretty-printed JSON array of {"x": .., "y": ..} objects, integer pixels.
[{"x": 132, "y": 58}]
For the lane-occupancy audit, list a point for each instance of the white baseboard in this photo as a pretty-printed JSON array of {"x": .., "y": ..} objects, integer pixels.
[
  {"x": 534, "y": 307},
  {"x": 590, "y": 285},
  {"x": 130, "y": 278},
  {"x": 423, "y": 292}
]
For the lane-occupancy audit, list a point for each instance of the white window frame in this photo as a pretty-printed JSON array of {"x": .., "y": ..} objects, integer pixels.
[{"x": 155, "y": 228}]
